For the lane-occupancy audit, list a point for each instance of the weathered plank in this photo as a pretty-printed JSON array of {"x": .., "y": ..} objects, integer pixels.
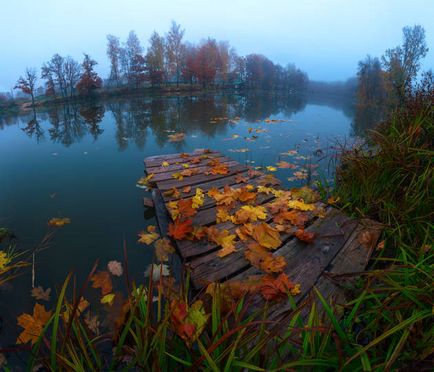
[
  {"x": 158, "y": 168},
  {"x": 198, "y": 178},
  {"x": 180, "y": 166},
  {"x": 201, "y": 169},
  {"x": 156, "y": 160}
]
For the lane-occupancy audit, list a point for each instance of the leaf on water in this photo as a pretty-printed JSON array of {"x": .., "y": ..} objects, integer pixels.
[
  {"x": 266, "y": 236},
  {"x": 39, "y": 293},
  {"x": 58, "y": 222},
  {"x": 163, "y": 247},
  {"x": 270, "y": 168},
  {"x": 102, "y": 280},
  {"x": 179, "y": 229},
  {"x": 176, "y": 137},
  {"x": 285, "y": 165},
  {"x": 115, "y": 268},
  {"x": 92, "y": 322},
  {"x": 108, "y": 299},
  {"x": 33, "y": 324},
  {"x": 149, "y": 237}
]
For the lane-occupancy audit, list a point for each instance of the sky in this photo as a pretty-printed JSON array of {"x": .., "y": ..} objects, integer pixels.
[{"x": 324, "y": 38}]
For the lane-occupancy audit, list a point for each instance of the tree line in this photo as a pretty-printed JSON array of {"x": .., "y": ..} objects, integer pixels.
[{"x": 168, "y": 60}]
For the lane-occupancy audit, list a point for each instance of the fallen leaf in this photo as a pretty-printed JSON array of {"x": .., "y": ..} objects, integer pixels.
[
  {"x": 198, "y": 198},
  {"x": 102, "y": 280},
  {"x": 40, "y": 294},
  {"x": 33, "y": 324},
  {"x": 144, "y": 181},
  {"x": 266, "y": 236},
  {"x": 115, "y": 268},
  {"x": 263, "y": 259},
  {"x": 163, "y": 247},
  {"x": 244, "y": 195},
  {"x": 92, "y": 322},
  {"x": 179, "y": 229},
  {"x": 241, "y": 179},
  {"x": 285, "y": 165},
  {"x": 157, "y": 271},
  {"x": 275, "y": 289},
  {"x": 58, "y": 222},
  {"x": 300, "y": 205},
  {"x": 165, "y": 164},
  {"x": 248, "y": 213},
  {"x": 149, "y": 237},
  {"x": 108, "y": 299},
  {"x": 186, "y": 189},
  {"x": 270, "y": 168},
  {"x": 176, "y": 137},
  {"x": 305, "y": 236}
]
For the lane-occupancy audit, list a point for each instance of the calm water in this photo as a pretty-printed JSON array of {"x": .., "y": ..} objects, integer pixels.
[{"x": 82, "y": 162}]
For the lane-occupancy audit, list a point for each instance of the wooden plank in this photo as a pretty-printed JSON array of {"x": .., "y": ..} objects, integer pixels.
[
  {"x": 147, "y": 202},
  {"x": 218, "y": 184},
  {"x": 201, "y": 169},
  {"x": 178, "y": 165},
  {"x": 337, "y": 280},
  {"x": 161, "y": 213},
  {"x": 213, "y": 268},
  {"x": 156, "y": 160},
  {"x": 189, "y": 249},
  {"x": 198, "y": 178}
]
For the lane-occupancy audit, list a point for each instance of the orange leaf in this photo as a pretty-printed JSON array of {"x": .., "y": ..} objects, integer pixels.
[
  {"x": 246, "y": 196},
  {"x": 241, "y": 179},
  {"x": 195, "y": 160},
  {"x": 296, "y": 218},
  {"x": 178, "y": 230},
  {"x": 266, "y": 236},
  {"x": 248, "y": 213},
  {"x": 277, "y": 288},
  {"x": 186, "y": 189},
  {"x": 185, "y": 208},
  {"x": 305, "y": 236},
  {"x": 102, "y": 280},
  {"x": 33, "y": 324},
  {"x": 263, "y": 259}
]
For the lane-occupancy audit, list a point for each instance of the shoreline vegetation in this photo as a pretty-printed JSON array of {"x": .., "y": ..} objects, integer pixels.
[{"x": 387, "y": 324}]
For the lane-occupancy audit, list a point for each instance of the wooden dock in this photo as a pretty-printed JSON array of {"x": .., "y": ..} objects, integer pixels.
[{"x": 342, "y": 245}]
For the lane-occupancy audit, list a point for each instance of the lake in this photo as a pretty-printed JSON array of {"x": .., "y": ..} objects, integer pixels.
[{"x": 83, "y": 161}]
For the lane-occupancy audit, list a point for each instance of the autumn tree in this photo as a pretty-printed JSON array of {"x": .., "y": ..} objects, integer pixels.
[
  {"x": 138, "y": 71},
  {"x": 128, "y": 56},
  {"x": 207, "y": 60},
  {"x": 89, "y": 80},
  {"x": 175, "y": 51},
  {"x": 189, "y": 67},
  {"x": 113, "y": 52},
  {"x": 27, "y": 83},
  {"x": 403, "y": 62},
  {"x": 155, "y": 59},
  {"x": 260, "y": 71}
]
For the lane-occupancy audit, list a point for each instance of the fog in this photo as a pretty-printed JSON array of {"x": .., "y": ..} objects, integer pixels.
[{"x": 324, "y": 38}]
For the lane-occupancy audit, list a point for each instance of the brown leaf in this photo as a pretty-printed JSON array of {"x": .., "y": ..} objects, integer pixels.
[
  {"x": 40, "y": 294},
  {"x": 102, "y": 280}
]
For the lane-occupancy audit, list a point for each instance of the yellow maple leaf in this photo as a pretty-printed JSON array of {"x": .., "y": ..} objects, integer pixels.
[
  {"x": 185, "y": 165},
  {"x": 108, "y": 299},
  {"x": 197, "y": 200},
  {"x": 227, "y": 244},
  {"x": 249, "y": 213},
  {"x": 144, "y": 181},
  {"x": 301, "y": 206},
  {"x": 266, "y": 236},
  {"x": 148, "y": 238},
  {"x": 58, "y": 222},
  {"x": 222, "y": 215},
  {"x": 178, "y": 176},
  {"x": 270, "y": 168},
  {"x": 4, "y": 260},
  {"x": 165, "y": 164},
  {"x": 33, "y": 324}
]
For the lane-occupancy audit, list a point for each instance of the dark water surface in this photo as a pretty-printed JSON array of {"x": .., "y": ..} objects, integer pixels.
[{"x": 82, "y": 162}]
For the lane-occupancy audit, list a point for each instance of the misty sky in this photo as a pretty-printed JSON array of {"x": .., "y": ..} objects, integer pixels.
[{"x": 324, "y": 38}]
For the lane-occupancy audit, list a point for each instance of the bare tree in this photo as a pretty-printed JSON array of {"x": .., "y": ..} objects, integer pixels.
[
  {"x": 27, "y": 83},
  {"x": 72, "y": 70},
  {"x": 113, "y": 52},
  {"x": 175, "y": 50}
]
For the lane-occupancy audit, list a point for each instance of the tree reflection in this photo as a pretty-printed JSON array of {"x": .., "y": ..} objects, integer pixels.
[{"x": 33, "y": 128}]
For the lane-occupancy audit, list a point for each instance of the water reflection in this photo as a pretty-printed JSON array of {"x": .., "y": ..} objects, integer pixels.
[{"x": 135, "y": 117}]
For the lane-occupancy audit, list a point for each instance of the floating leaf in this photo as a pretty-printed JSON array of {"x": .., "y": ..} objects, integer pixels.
[
  {"x": 58, "y": 222},
  {"x": 163, "y": 247},
  {"x": 157, "y": 271},
  {"x": 108, "y": 299},
  {"x": 149, "y": 237},
  {"x": 270, "y": 168},
  {"x": 285, "y": 165},
  {"x": 92, "y": 322},
  {"x": 176, "y": 137},
  {"x": 33, "y": 324},
  {"x": 115, "y": 268},
  {"x": 102, "y": 280},
  {"x": 40, "y": 294}
]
